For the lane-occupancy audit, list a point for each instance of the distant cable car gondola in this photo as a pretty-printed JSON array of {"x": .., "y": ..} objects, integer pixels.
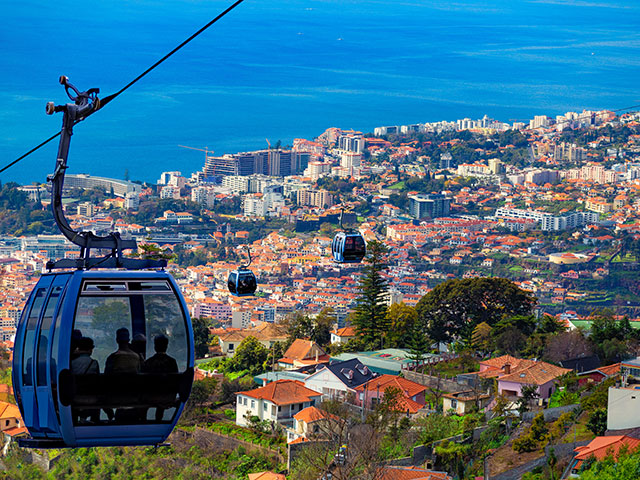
[
  {"x": 242, "y": 282},
  {"x": 348, "y": 246},
  {"x": 101, "y": 357}
]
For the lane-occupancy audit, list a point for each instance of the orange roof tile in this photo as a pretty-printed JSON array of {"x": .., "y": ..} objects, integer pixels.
[
  {"x": 266, "y": 476},
  {"x": 283, "y": 392},
  {"x": 601, "y": 447}
]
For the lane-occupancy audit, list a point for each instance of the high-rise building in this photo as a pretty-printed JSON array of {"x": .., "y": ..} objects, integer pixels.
[
  {"x": 432, "y": 205},
  {"x": 351, "y": 142},
  {"x": 315, "y": 198}
]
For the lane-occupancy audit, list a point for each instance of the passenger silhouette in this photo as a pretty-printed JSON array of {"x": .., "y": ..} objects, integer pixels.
[
  {"x": 123, "y": 360},
  {"x": 139, "y": 345},
  {"x": 76, "y": 335},
  {"x": 83, "y": 364},
  {"x": 161, "y": 363}
]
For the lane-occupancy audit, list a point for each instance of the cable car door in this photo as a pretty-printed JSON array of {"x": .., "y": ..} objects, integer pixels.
[
  {"x": 46, "y": 368},
  {"x": 27, "y": 361}
]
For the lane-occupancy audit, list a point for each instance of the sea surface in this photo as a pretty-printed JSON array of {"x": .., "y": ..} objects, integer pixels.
[{"x": 291, "y": 68}]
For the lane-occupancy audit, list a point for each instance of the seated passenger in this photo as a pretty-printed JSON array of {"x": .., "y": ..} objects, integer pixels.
[
  {"x": 83, "y": 364},
  {"x": 161, "y": 363},
  {"x": 123, "y": 360}
]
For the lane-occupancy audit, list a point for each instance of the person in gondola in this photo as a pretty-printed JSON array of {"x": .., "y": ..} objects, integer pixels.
[
  {"x": 83, "y": 364},
  {"x": 124, "y": 362},
  {"x": 161, "y": 363}
]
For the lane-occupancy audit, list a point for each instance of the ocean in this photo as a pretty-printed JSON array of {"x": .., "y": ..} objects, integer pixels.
[{"x": 279, "y": 70}]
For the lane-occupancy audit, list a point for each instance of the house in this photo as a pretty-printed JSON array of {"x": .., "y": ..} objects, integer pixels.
[
  {"x": 277, "y": 402},
  {"x": 463, "y": 402},
  {"x": 9, "y": 416},
  {"x": 310, "y": 422},
  {"x": 599, "y": 374},
  {"x": 267, "y": 476},
  {"x": 342, "y": 335},
  {"x": 410, "y": 473},
  {"x": 411, "y": 399},
  {"x": 267, "y": 334},
  {"x": 339, "y": 380},
  {"x": 302, "y": 353},
  {"x": 514, "y": 373},
  {"x": 600, "y": 448}
]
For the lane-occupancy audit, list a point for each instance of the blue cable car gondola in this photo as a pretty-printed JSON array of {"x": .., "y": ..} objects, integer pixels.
[
  {"x": 242, "y": 282},
  {"x": 348, "y": 246},
  {"x": 103, "y": 358},
  {"x": 100, "y": 357}
]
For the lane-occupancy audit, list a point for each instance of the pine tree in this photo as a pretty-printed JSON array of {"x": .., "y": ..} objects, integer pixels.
[
  {"x": 419, "y": 346},
  {"x": 370, "y": 320}
]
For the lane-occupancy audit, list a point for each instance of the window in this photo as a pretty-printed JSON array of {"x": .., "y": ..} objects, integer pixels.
[
  {"x": 273, "y": 410},
  {"x": 129, "y": 349},
  {"x": 454, "y": 403},
  {"x": 253, "y": 403},
  {"x": 43, "y": 340},
  {"x": 27, "y": 349}
]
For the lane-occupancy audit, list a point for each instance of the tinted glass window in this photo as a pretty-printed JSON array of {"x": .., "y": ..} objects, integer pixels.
[
  {"x": 232, "y": 282},
  {"x": 43, "y": 340},
  {"x": 129, "y": 351},
  {"x": 29, "y": 337}
]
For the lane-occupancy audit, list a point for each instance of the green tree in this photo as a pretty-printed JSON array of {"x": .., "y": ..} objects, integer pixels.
[
  {"x": 598, "y": 422},
  {"x": 481, "y": 336},
  {"x": 625, "y": 467},
  {"x": 453, "y": 308},
  {"x": 250, "y": 355},
  {"x": 370, "y": 319},
  {"x": 419, "y": 345},
  {"x": 401, "y": 319},
  {"x": 201, "y": 336}
]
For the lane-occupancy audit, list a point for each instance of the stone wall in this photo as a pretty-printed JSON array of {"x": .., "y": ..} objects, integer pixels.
[
  {"x": 447, "y": 384},
  {"x": 550, "y": 414}
]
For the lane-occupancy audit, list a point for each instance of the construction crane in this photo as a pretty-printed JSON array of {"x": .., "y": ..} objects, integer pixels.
[{"x": 205, "y": 149}]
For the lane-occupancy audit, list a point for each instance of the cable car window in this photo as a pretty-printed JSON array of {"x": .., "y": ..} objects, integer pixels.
[
  {"x": 104, "y": 287},
  {"x": 149, "y": 286},
  {"x": 164, "y": 317},
  {"x": 131, "y": 348},
  {"x": 359, "y": 245},
  {"x": 54, "y": 354},
  {"x": 43, "y": 340},
  {"x": 232, "y": 282},
  {"x": 348, "y": 243},
  {"x": 29, "y": 337}
]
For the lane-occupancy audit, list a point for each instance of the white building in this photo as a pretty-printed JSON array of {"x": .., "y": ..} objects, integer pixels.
[
  {"x": 241, "y": 318},
  {"x": 276, "y": 402},
  {"x": 205, "y": 196}
]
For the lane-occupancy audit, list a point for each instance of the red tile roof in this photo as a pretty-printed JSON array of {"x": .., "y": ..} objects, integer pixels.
[{"x": 283, "y": 392}]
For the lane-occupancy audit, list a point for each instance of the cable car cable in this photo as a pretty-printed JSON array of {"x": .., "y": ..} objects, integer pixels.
[{"x": 111, "y": 97}]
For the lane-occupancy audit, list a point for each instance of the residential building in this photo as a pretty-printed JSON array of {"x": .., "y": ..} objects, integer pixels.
[
  {"x": 277, "y": 402},
  {"x": 311, "y": 422},
  {"x": 339, "y": 380},
  {"x": 302, "y": 353},
  {"x": 241, "y": 318},
  {"x": 515, "y": 373},
  {"x": 315, "y": 198},
  {"x": 342, "y": 335},
  {"x": 549, "y": 222},
  {"x": 410, "y": 400},
  {"x": 432, "y": 205},
  {"x": 464, "y": 402},
  {"x": 600, "y": 448}
]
